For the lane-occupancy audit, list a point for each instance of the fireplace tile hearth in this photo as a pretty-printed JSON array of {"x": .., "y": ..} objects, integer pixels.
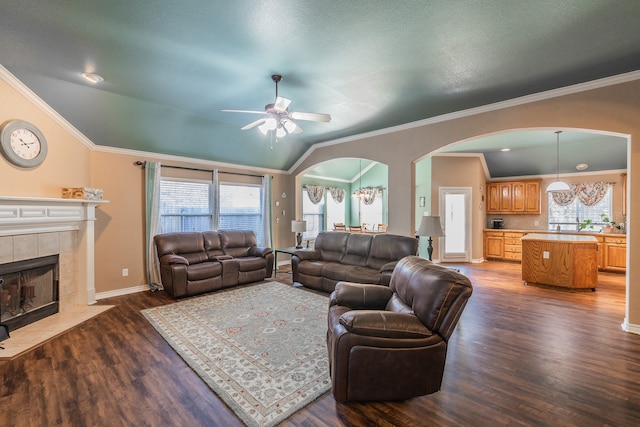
[{"x": 34, "y": 334}]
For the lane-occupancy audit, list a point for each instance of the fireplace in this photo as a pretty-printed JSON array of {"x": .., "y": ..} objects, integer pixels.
[{"x": 28, "y": 291}]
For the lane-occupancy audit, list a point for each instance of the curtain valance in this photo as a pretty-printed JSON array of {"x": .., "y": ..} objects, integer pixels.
[{"x": 588, "y": 194}]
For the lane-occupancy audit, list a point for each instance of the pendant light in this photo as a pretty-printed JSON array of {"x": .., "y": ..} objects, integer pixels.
[{"x": 557, "y": 185}]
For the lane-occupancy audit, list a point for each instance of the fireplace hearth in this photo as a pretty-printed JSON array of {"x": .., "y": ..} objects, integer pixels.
[{"x": 28, "y": 291}]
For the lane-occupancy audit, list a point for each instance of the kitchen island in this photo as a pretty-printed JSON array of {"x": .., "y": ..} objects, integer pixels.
[{"x": 564, "y": 260}]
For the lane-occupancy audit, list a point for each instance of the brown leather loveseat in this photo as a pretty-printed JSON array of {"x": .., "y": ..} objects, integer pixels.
[
  {"x": 193, "y": 263},
  {"x": 352, "y": 257},
  {"x": 390, "y": 343}
]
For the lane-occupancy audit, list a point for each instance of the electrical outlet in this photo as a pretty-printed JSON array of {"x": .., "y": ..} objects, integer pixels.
[
  {"x": 536, "y": 223},
  {"x": 545, "y": 254},
  {"x": 125, "y": 272}
]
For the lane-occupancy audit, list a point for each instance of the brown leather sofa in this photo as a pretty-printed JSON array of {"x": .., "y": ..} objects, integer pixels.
[
  {"x": 193, "y": 263},
  {"x": 352, "y": 257},
  {"x": 390, "y": 343}
]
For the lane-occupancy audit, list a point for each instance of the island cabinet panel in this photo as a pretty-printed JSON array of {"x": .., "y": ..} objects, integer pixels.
[
  {"x": 560, "y": 260},
  {"x": 514, "y": 197}
]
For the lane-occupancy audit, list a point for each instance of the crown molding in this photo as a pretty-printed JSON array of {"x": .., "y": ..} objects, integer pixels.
[
  {"x": 22, "y": 89},
  {"x": 527, "y": 99}
]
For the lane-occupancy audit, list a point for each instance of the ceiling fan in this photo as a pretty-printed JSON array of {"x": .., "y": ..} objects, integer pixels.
[{"x": 278, "y": 118}]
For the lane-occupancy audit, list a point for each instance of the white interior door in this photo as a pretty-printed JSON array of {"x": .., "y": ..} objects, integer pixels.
[{"x": 455, "y": 216}]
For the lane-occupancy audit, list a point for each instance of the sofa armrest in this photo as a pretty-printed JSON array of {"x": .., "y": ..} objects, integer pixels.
[
  {"x": 307, "y": 254},
  {"x": 220, "y": 258},
  {"x": 384, "y": 324},
  {"x": 388, "y": 267},
  {"x": 173, "y": 259},
  {"x": 260, "y": 251},
  {"x": 359, "y": 296}
]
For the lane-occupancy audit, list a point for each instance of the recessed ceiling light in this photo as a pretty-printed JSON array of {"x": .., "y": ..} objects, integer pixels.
[
  {"x": 582, "y": 166},
  {"x": 505, "y": 149},
  {"x": 93, "y": 78}
]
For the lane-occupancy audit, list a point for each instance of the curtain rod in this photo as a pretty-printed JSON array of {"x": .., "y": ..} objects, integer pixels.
[{"x": 139, "y": 163}]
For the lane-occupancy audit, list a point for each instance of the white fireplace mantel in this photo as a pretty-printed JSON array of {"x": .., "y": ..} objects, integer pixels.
[{"x": 26, "y": 215}]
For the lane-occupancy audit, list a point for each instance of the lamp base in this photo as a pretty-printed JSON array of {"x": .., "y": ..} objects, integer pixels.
[
  {"x": 299, "y": 241},
  {"x": 430, "y": 248}
]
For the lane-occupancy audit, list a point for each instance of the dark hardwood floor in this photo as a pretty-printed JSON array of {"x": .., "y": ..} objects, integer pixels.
[{"x": 521, "y": 355}]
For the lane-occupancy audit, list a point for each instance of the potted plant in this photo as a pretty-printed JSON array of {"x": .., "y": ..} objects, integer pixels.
[
  {"x": 609, "y": 225},
  {"x": 586, "y": 224}
]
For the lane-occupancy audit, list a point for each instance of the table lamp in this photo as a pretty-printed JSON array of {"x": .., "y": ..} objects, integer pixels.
[
  {"x": 298, "y": 227},
  {"x": 430, "y": 226}
]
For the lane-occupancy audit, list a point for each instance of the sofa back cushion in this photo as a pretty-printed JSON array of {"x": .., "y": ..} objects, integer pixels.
[
  {"x": 189, "y": 245},
  {"x": 332, "y": 245},
  {"x": 390, "y": 247},
  {"x": 436, "y": 294},
  {"x": 357, "y": 250},
  {"x": 212, "y": 244},
  {"x": 237, "y": 243}
]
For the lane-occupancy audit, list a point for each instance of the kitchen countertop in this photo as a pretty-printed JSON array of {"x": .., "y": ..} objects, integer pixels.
[
  {"x": 581, "y": 233},
  {"x": 560, "y": 237}
]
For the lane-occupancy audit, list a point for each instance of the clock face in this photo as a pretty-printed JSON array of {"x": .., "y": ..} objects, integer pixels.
[
  {"x": 22, "y": 144},
  {"x": 25, "y": 143}
]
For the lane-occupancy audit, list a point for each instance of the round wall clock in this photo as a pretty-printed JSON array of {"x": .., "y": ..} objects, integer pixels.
[{"x": 22, "y": 143}]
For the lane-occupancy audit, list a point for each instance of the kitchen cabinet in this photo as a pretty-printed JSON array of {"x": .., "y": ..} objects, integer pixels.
[
  {"x": 614, "y": 256},
  {"x": 514, "y": 197},
  {"x": 493, "y": 244},
  {"x": 506, "y": 245},
  {"x": 564, "y": 260},
  {"x": 513, "y": 245}
]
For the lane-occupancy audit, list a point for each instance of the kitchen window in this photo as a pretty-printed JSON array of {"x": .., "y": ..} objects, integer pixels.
[{"x": 570, "y": 216}]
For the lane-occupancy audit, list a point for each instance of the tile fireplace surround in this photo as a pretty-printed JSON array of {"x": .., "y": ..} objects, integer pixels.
[{"x": 36, "y": 227}]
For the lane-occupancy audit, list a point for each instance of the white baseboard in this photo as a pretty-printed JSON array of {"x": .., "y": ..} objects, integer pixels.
[
  {"x": 628, "y": 327},
  {"x": 120, "y": 292}
]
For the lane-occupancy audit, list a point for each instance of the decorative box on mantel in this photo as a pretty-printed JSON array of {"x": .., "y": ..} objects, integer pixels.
[{"x": 84, "y": 193}]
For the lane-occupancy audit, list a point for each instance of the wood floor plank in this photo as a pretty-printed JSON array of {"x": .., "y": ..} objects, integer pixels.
[{"x": 520, "y": 356}]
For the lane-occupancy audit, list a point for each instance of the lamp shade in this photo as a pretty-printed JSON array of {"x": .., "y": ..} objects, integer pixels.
[
  {"x": 298, "y": 226},
  {"x": 430, "y": 226},
  {"x": 558, "y": 186}
]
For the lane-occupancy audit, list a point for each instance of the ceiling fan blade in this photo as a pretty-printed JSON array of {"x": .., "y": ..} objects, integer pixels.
[
  {"x": 253, "y": 124},
  {"x": 291, "y": 127},
  {"x": 281, "y": 104},
  {"x": 314, "y": 117},
  {"x": 244, "y": 111}
]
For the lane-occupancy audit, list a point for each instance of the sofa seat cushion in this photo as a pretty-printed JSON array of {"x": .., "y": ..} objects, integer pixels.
[
  {"x": 250, "y": 263},
  {"x": 203, "y": 270},
  {"x": 335, "y": 270},
  {"x": 311, "y": 268},
  {"x": 362, "y": 275}
]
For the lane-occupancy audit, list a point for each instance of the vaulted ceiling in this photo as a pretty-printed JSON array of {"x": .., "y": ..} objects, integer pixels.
[{"x": 170, "y": 67}]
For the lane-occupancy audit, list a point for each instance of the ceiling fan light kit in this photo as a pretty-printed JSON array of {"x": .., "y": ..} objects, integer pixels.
[{"x": 278, "y": 118}]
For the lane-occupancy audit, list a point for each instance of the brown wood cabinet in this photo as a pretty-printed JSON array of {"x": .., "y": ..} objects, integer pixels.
[
  {"x": 506, "y": 245},
  {"x": 562, "y": 260},
  {"x": 513, "y": 245},
  {"x": 614, "y": 256},
  {"x": 514, "y": 197},
  {"x": 494, "y": 244}
]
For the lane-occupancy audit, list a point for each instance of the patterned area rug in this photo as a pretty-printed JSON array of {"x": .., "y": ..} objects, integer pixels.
[{"x": 261, "y": 348}]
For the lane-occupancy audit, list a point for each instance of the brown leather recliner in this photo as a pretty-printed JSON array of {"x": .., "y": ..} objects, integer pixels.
[{"x": 391, "y": 343}]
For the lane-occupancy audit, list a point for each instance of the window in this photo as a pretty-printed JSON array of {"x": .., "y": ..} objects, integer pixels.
[
  {"x": 240, "y": 208},
  {"x": 313, "y": 214},
  {"x": 185, "y": 206},
  {"x": 371, "y": 214},
  {"x": 569, "y": 217},
  {"x": 335, "y": 211}
]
